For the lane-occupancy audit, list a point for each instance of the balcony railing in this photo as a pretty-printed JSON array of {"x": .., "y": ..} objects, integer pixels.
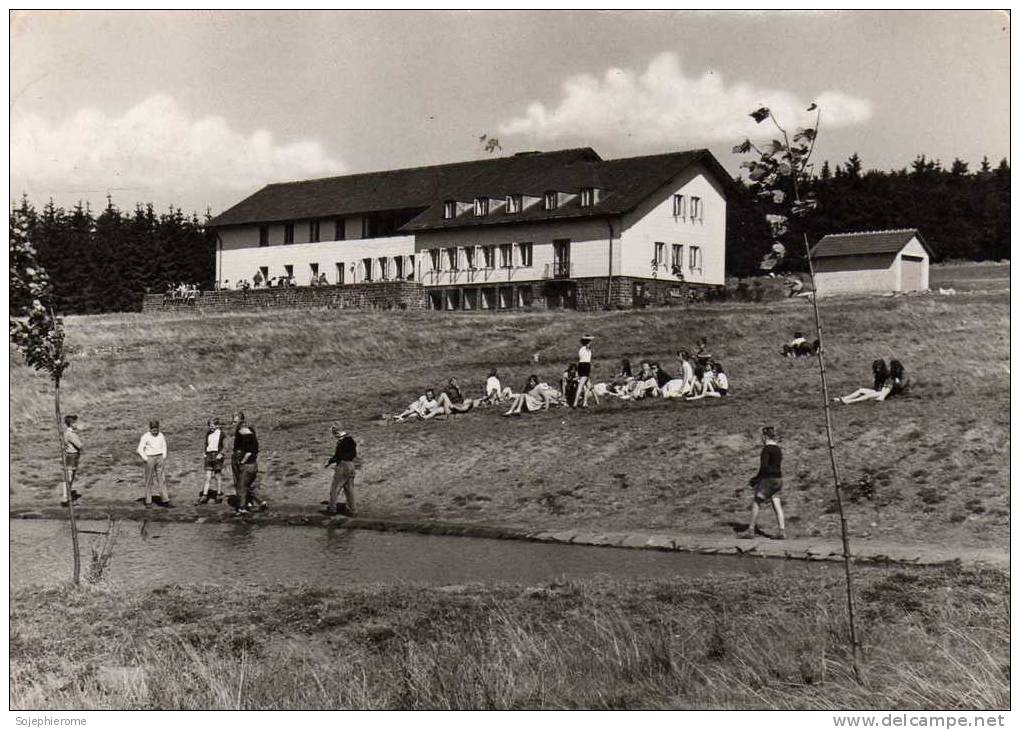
[{"x": 559, "y": 270}]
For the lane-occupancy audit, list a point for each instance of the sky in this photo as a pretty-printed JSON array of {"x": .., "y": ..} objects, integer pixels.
[{"x": 200, "y": 109}]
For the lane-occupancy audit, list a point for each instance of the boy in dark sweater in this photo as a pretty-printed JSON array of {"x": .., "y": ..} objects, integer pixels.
[
  {"x": 343, "y": 477},
  {"x": 767, "y": 483}
]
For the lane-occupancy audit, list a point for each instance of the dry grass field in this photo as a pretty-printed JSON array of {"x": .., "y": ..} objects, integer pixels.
[
  {"x": 932, "y": 639},
  {"x": 938, "y": 458}
]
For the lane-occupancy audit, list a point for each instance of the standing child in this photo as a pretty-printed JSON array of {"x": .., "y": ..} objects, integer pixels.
[
  {"x": 767, "y": 483},
  {"x": 213, "y": 458},
  {"x": 152, "y": 450},
  {"x": 72, "y": 453},
  {"x": 583, "y": 372},
  {"x": 246, "y": 452},
  {"x": 342, "y": 462}
]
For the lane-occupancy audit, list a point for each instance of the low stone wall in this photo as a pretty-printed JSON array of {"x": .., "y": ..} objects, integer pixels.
[{"x": 374, "y": 295}]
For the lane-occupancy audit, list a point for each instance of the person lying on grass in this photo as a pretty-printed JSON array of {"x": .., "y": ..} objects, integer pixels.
[
  {"x": 450, "y": 401},
  {"x": 536, "y": 397},
  {"x": 883, "y": 386},
  {"x": 425, "y": 404},
  {"x": 767, "y": 483},
  {"x": 645, "y": 383}
]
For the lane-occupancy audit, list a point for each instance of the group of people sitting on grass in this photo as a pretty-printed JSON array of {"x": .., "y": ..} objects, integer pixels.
[
  {"x": 700, "y": 376},
  {"x": 889, "y": 380}
]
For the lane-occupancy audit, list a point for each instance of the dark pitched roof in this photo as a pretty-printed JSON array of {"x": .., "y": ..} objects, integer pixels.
[
  {"x": 624, "y": 183},
  {"x": 867, "y": 242}
]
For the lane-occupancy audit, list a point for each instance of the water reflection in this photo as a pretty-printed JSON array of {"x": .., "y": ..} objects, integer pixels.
[{"x": 154, "y": 553}]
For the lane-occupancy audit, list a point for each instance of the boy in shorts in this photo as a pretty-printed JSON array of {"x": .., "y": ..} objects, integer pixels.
[
  {"x": 767, "y": 483},
  {"x": 213, "y": 457},
  {"x": 72, "y": 453}
]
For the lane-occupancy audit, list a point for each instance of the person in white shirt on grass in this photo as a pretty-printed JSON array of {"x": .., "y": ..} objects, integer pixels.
[
  {"x": 72, "y": 453},
  {"x": 494, "y": 390},
  {"x": 152, "y": 450}
]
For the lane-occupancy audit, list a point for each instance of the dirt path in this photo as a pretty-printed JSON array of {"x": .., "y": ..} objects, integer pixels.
[{"x": 793, "y": 548}]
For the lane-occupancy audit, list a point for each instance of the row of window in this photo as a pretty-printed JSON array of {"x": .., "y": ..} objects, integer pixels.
[
  {"x": 677, "y": 256},
  {"x": 372, "y": 226},
  {"x": 481, "y": 257},
  {"x": 504, "y": 297},
  {"x": 515, "y": 203},
  {"x": 381, "y": 268},
  {"x": 688, "y": 206}
]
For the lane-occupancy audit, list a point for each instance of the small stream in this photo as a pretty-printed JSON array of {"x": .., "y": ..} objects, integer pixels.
[{"x": 168, "y": 552}]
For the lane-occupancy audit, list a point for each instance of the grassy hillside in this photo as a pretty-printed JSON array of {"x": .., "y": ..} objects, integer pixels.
[
  {"x": 933, "y": 639},
  {"x": 938, "y": 458}
]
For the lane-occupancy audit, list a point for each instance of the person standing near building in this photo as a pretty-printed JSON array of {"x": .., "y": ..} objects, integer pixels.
[
  {"x": 767, "y": 483},
  {"x": 583, "y": 372},
  {"x": 213, "y": 457},
  {"x": 342, "y": 462},
  {"x": 246, "y": 451},
  {"x": 72, "y": 454},
  {"x": 152, "y": 450}
]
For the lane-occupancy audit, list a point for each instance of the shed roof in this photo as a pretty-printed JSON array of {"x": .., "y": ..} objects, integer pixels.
[
  {"x": 623, "y": 183},
  {"x": 867, "y": 242}
]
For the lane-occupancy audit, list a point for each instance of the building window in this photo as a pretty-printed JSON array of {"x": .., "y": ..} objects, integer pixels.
[
  {"x": 264, "y": 270},
  {"x": 340, "y": 232},
  {"x": 697, "y": 208},
  {"x": 695, "y": 258},
  {"x": 410, "y": 268},
  {"x": 525, "y": 296},
  {"x": 289, "y": 268},
  {"x": 398, "y": 267},
  {"x": 489, "y": 254},
  {"x": 314, "y": 268},
  {"x": 679, "y": 206},
  {"x": 434, "y": 259},
  {"x": 678, "y": 259},
  {"x": 288, "y": 233},
  {"x": 313, "y": 232},
  {"x": 367, "y": 264},
  {"x": 481, "y": 206},
  {"x": 506, "y": 252},
  {"x": 263, "y": 235},
  {"x": 451, "y": 255},
  {"x": 514, "y": 203},
  {"x": 526, "y": 254},
  {"x": 660, "y": 254},
  {"x": 450, "y": 209},
  {"x": 587, "y": 197},
  {"x": 339, "y": 272},
  {"x": 384, "y": 268},
  {"x": 469, "y": 255},
  {"x": 551, "y": 200}
]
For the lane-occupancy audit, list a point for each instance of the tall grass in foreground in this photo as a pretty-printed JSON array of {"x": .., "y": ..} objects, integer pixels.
[{"x": 573, "y": 645}]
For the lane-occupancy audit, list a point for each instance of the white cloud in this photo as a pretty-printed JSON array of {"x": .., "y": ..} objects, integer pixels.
[
  {"x": 663, "y": 106},
  {"x": 154, "y": 152}
]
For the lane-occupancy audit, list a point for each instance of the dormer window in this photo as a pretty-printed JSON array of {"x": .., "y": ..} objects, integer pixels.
[
  {"x": 450, "y": 209},
  {"x": 481, "y": 206},
  {"x": 587, "y": 197},
  {"x": 551, "y": 200},
  {"x": 514, "y": 203}
]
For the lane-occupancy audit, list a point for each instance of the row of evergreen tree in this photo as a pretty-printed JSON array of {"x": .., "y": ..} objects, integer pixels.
[
  {"x": 106, "y": 262},
  {"x": 961, "y": 214}
]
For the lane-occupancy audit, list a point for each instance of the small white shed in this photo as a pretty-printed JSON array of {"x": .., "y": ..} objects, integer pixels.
[{"x": 871, "y": 261}]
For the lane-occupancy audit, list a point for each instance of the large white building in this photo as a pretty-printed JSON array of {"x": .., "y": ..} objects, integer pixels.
[{"x": 559, "y": 229}]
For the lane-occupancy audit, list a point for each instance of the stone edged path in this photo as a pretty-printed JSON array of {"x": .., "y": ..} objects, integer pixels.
[{"x": 796, "y": 548}]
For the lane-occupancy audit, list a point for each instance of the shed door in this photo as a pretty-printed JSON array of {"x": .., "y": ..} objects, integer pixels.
[{"x": 911, "y": 273}]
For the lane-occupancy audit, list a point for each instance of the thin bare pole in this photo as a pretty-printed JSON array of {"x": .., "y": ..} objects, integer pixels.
[{"x": 837, "y": 484}]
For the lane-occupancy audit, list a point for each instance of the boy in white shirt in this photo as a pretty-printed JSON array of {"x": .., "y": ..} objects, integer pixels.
[{"x": 152, "y": 450}]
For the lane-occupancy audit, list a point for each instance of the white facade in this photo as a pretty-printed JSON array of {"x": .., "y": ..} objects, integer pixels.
[{"x": 685, "y": 218}]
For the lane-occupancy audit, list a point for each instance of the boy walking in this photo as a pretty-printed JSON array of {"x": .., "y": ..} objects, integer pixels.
[
  {"x": 215, "y": 445},
  {"x": 246, "y": 453},
  {"x": 152, "y": 450},
  {"x": 72, "y": 453},
  {"x": 767, "y": 483},
  {"x": 343, "y": 474}
]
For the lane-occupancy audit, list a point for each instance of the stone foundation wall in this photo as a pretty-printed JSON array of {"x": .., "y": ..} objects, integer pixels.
[{"x": 374, "y": 295}]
